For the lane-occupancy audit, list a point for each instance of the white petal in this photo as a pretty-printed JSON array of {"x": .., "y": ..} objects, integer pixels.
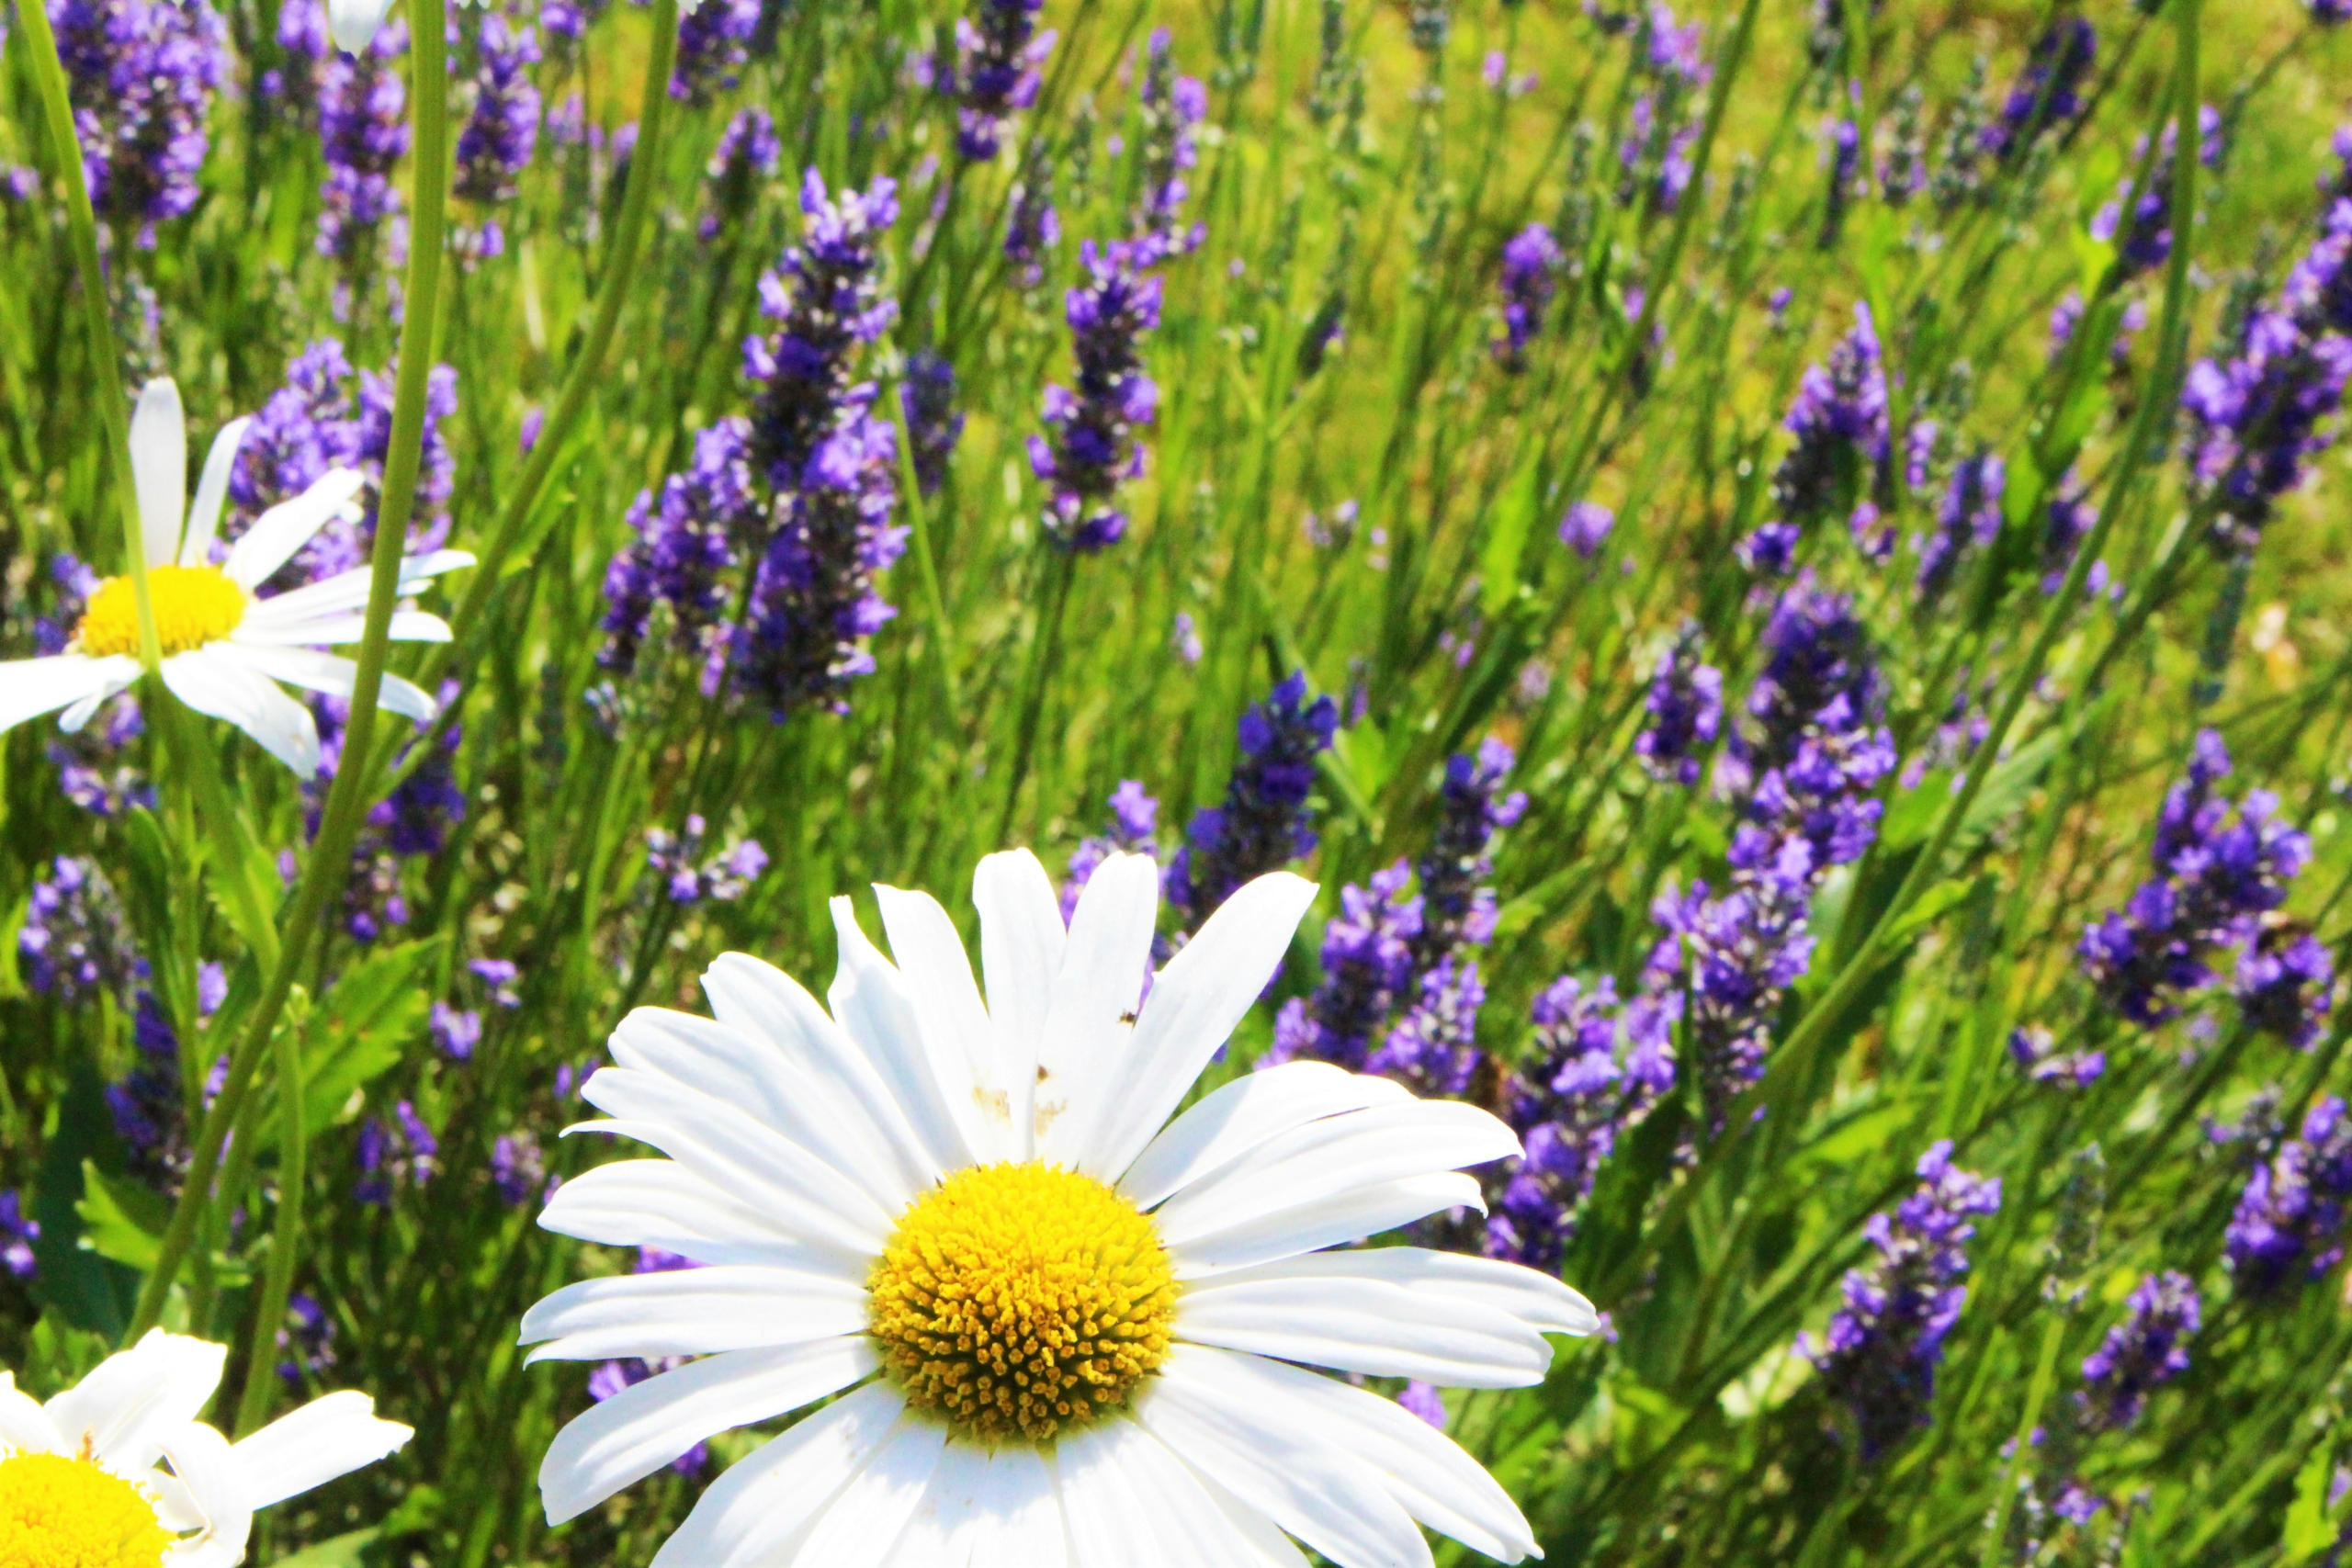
[
  {"x": 659, "y": 1202},
  {"x": 940, "y": 1534},
  {"x": 128, "y": 1401},
  {"x": 25, "y": 1427},
  {"x": 743, "y": 1158},
  {"x": 1024, "y": 1510},
  {"x": 1086, "y": 1055},
  {"x": 648, "y": 1425},
  {"x": 692, "y": 1312},
  {"x": 858, "y": 1528},
  {"x": 212, "y": 1482},
  {"x": 840, "y": 1081},
  {"x": 285, "y": 528},
  {"x": 768, "y": 1499},
  {"x": 1535, "y": 1299},
  {"x": 211, "y": 490},
  {"x": 1334, "y": 1155},
  {"x": 1273, "y": 1549},
  {"x": 158, "y": 468},
  {"x": 937, "y": 977},
  {"x": 328, "y": 673},
  {"x": 1367, "y": 1325},
  {"x": 870, "y": 1003},
  {"x": 1194, "y": 1004},
  {"x": 30, "y": 687},
  {"x": 354, "y": 22},
  {"x": 348, "y": 590},
  {"x": 1239, "y": 1117},
  {"x": 330, "y": 1436},
  {"x": 263, "y": 629},
  {"x": 249, "y": 700},
  {"x": 1334, "y": 1502},
  {"x": 1130, "y": 1500},
  {"x": 1022, "y": 941},
  {"x": 1428, "y": 1472},
  {"x": 1348, "y": 1216},
  {"x": 746, "y": 1070}
]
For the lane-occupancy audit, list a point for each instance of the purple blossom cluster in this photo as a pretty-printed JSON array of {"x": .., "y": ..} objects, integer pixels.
[
  {"x": 686, "y": 876},
  {"x": 2143, "y": 1352},
  {"x": 1584, "y": 527},
  {"x": 1597, "y": 1069},
  {"x": 502, "y": 126},
  {"x": 1263, "y": 823},
  {"x": 328, "y": 415},
  {"x": 927, "y": 402},
  {"x": 1032, "y": 227},
  {"x": 363, "y": 129},
  {"x": 683, "y": 550},
  {"x": 149, "y": 1107},
  {"x": 1531, "y": 274},
  {"x": 1662, "y": 127},
  {"x": 1091, "y": 446},
  {"x": 306, "y": 1340},
  {"x": 457, "y": 1031},
  {"x": 2257, "y": 419},
  {"x": 1880, "y": 1355},
  {"x": 1135, "y": 827},
  {"x": 140, "y": 74},
  {"x": 1840, "y": 421},
  {"x": 1169, "y": 108},
  {"x": 72, "y": 941},
  {"x": 410, "y": 823},
  {"x": 518, "y": 1170},
  {"x": 2037, "y": 1053},
  {"x": 714, "y": 43},
  {"x": 1434, "y": 1049},
  {"x": 403, "y": 1153},
  {"x": 1457, "y": 909},
  {"x": 2289, "y": 1220},
  {"x": 1969, "y": 517},
  {"x": 2217, "y": 876},
  {"x": 1686, "y": 712},
  {"x": 991, "y": 73},
  {"x": 1367, "y": 971},
  {"x": 18, "y": 1234},
  {"x": 826, "y": 300},
  {"x": 747, "y": 154},
  {"x": 2145, "y": 241},
  {"x": 2048, "y": 94}
]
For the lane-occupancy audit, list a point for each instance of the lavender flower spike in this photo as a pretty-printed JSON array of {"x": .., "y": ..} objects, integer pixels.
[
  {"x": 1091, "y": 446},
  {"x": 1883, "y": 1346},
  {"x": 1686, "y": 712},
  {"x": 1472, "y": 809},
  {"x": 1367, "y": 969},
  {"x": 1839, "y": 419},
  {"x": 991, "y": 73},
  {"x": 1531, "y": 271},
  {"x": 2289, "y": 1219},
  {"x": 364, "y": 131},
  {"x": 503, "y": 127},
  {"x": 683, "y": 548},
  {"x": 826, "y": 299},
  {"x": 73, "y": 940},
  {"x": 140, "y": 74},
  {"x": 1262, "y": 824},
  {"x": 2143, "y": 1352},
  {"x": 1171, "y": 106}
]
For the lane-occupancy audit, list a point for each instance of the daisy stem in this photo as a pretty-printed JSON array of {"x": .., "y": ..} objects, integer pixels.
[
  {"x": 105, "y": 369},
  {"x": 330, "y": 860},
  {"x": 277, "y": 1285}
]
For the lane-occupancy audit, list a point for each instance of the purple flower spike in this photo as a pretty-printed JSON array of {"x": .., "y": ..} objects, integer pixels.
[
  {"x": 2289, "y": 1219},
  {"x": 2142, "y": 1353},
  {"x": 714, "y": 40},
  {"x": 1091, "y": 446},
  {"x": 683, "y": 547},
  {"x": 2048, "y": 94},
  {"x": 1367, "y": 971},
  {"x": 1263, "y": 822},
  {"x": 1530, "y": 272},
  {"x": 1880, "y": 1355},
  {"x": 140, "y": 74},
  {"x": 1969, "y": 518},
  {"x": 1840, "y": 421},
  {"x": 1172, "y": 107},
  {"x": 1686, "y": 712},
  {"x": 363, "y": 128},
  {"x": 991, "y": 73}
]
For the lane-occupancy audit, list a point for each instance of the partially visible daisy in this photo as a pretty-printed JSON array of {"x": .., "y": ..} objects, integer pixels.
[
  {"x": 224, "y": 649},
  {"x": 1063, "y": 1334},
  {"x": 118, "y": 1472}
]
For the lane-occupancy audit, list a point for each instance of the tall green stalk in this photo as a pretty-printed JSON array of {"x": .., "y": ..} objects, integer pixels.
[{"x": 330, "y": 860}]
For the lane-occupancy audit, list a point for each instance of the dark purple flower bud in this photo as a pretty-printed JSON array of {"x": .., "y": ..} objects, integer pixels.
[
  {"x": 1970, "y": 517},
  {"x": 1434, "y": 1049},
  {"x": 714, "y": 39},
  {"x": 1472, "y": 809},
  {"x": 683, "y": 548},
  {"x": 503, "y": 124},
  {"x": 2142, "y": 1353},
  {"x": 1032, "y": 227},
  {"x": 2285, "y": 983},
  {"x": 1880, "y": 1355},
  {"x": 2289, "y": 1219},
  {"x": 1686, "y": 712},
  {"x": 2146, "y": 240},
  {"x": 826, "y": 299},
  {"x": 405, "y": 1154},
  {"x": 1263, "y": 823},
  {"x": 1531, "y": 273},
  {"x": 518, "y": 1170},
  {"x": 140, "y": 74},
  {"x": 2034, "y": 1049},
  {"x": 2048, "y": 94},
  {"x": 1171, "y": 107},
  {"x": 1839, "y": 421},
  {"x": 456, "y": 1033},
  {"x": 991, "y": 73},
  {"x": 927, "y": 400},
  {"x": 17, "y": 1234},
  {"x": 1585, "y": 528},
  {"x": 306, "y": 1340},
  {"x": 2254, "y": 420},
  {"x": 1091, "y": 446}
]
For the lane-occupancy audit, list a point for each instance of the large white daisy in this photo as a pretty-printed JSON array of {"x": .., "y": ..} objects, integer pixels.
[
  {"x": 224, "y": 649},
  {"x": 1076, "y": 1337},
  {"x": 116, "y": 1472}
]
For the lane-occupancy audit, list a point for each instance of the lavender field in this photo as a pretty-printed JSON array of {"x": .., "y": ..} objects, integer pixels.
[{"x": 1271, "y": 782}]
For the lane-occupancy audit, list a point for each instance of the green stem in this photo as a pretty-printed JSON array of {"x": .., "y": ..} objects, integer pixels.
[
  {"x": 330, "y": 860},
  {"x": 261, "y": 1378}
]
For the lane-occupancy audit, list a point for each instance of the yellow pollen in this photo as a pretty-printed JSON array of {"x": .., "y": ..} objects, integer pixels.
[
  {"x": 194, "y": 605},
  {"x": 61, "y": 1512},
  {"x": 1016, "y": 1299}
]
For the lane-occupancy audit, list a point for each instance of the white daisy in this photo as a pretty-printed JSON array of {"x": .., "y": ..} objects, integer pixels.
[
  {"x": 223, "y": 647},
  {"x": 1071, "y": 1332},
  {"x": 118, "y": 1472}
]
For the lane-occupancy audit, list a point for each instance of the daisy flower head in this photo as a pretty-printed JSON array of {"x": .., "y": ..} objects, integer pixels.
[
  {"x": 1065, "y": 1331},
  {"x": 116, "y": 1472},
  {"x": 223, "y": 647}
]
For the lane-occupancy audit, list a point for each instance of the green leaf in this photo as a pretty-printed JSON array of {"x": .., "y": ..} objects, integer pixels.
[
  {"x": 122, "y": 1219},
  {"x": 1507, "y": 541},
  {"x": 336, "y": 1552},
  {"x": 2012, "y": 780},
  {"x": 361, "y": 1026},
  {"x": 1929, "y": 905},
  {"x": 2309, "y": 1530},
  {"x": 1359, "y": 766}
]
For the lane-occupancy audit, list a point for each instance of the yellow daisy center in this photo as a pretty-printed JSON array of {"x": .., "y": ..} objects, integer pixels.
[
  {"x": 1020, "y": 1299},
  {"x": 61, "y": 1512},
  {"x": 194, "y": 605}
]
